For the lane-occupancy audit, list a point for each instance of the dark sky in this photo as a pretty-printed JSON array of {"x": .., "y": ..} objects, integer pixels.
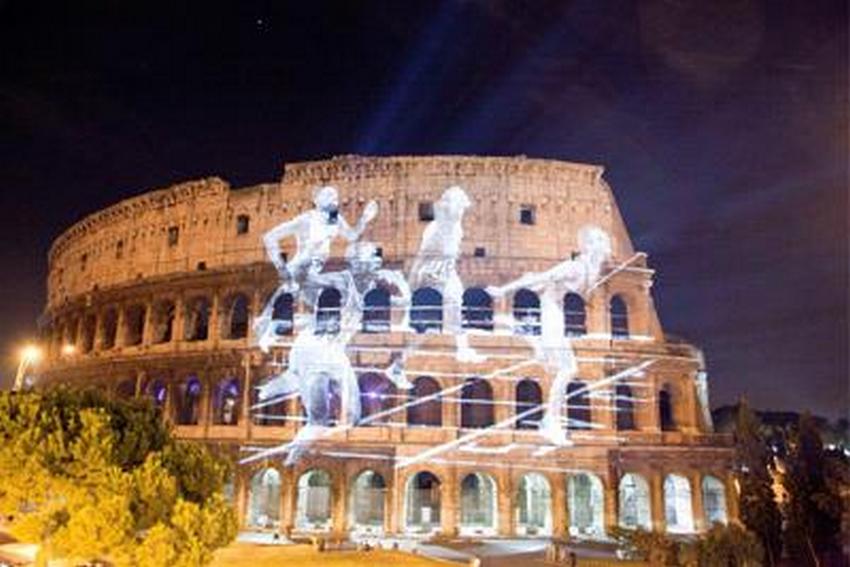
[{"x": 722, "y": 125}]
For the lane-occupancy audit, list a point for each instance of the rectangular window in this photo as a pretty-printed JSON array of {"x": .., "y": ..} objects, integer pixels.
[
  {"x": 526, "y": 214},
  {"x": 173, "y": 235},
  {"x": 379, "y": 252},
  {"x": 202, "y": 266},
  {"x": 480, "y": 252},
  {"x": 119, "y": 249},
  {"x": 426, "y": 211},
  {"x": 243, "y": 223},
  {"x": 83, "y": 261}
]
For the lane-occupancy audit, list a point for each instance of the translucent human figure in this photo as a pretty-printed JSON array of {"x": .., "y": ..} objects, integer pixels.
[
  {"x": 314, "y": 231},
  {"x": 552, "y": 348},
  {"x": 435, "y": 265},
  {"x": 318, "y": 361}
]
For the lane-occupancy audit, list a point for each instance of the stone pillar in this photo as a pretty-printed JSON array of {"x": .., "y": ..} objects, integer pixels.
[
  {"x": 97, "y": 343},
  {"x": 120, "y": 331},
  {"x": 449, "y": 506},
  {"x": 560, "y": 518},
  {"x": 503, "y": 392},
  {"x": 611, "y": 511},
  {"x": 241, "y": 494},
  {"x": 733, "y": 508},
  {"x": 205, "y": 409},
  {"x": 603, "y": 410},
  {"x": 695, "y": 478},
  {"x": 451, "y": 409},
  {"x": 247, "y": 385},
  {"x": 339, "y": 501},
  {"x": 596, "y": 312},
  {"x": 147, "y": 326},
  {"x": 179, "y": 325},
  {"x": 214, "y": 329},
  {"x": 506, "y": 525},
  {"x": 656, "y": 495},
  {"x": 288, "y": 498},
  {"x": 391, "y": 520},
  {"x": 141, "y": 378}
]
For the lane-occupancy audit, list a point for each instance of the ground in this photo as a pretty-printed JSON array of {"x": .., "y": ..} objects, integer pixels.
[{"x": 304, "y": 555}]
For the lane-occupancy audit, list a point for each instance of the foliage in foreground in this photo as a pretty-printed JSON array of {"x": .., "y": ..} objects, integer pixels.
[
  {"x": 721, "y": 546},
  {"x": 92, "y": 479}
]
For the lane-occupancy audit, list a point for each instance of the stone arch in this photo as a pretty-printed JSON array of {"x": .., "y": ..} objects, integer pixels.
[
  {"x": 237, "y": 315},
  {"x": 634, "y": 502},
  {"x": 528, "y": 395},
  {"x": 227, "y": 403},
  {"x": 478, "y": 504},
  {"x": 376, "y": 311},
  {"x": 89, "y": 325},
  {"x": 678, "y": 507},
  {"x": 714, "y": 500},
  {"x": 109, "y": 328},
  {"x": 134, "y": 324},
  {"x": 625, "y": 407},
  {"x": 579, "y": 413},
  {"x": 197, "y": 319},
  {"x": 477, "y": 309},
  {"x": 264, "y": 499},
  {"x": 368, "y": 501},
  {"x": 618, "y": 312},
  {"x": 164, "y": 312},
  {"x": 314, "y": 501},
  {"x": 575, "y": 315},
  {"x": 328, "y": 311},
  {"x": 377, "y": 395},
  {"x": 476, "y": 406},
  {"x": 430, "y": 412},
  {"x": 533, "y": 505},
  {"x": 527, "y": 315},
  {"x": 666, "y": 415},
  {"x": 426, "y": 310},
  {"x": 586, "y": 505},
  {"x": 283, "y": 314},
  {"x": 189, "y": 396},
  {"x": 422, "y": 502}
]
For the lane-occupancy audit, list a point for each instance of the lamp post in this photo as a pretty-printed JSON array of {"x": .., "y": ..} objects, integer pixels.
[{"x": 30, "y": 355}]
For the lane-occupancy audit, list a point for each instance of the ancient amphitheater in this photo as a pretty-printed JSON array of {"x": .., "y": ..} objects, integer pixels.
[{"x": 159, "y": 296}]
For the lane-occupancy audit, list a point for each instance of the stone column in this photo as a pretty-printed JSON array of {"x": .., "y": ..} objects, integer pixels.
[
  {"x": 733, "y": 508},
  {"x": 560, "y": 519},
  {"x": 120, "y": 331},
  {"x": 179, "y": 325},
  {"x": 695, "y": 478},
  {"x": 611, "y": 515},
  {"x": 214, "y": 329},
  {"x": 147, "y": 326},
  {"x": 339, "y": 501},
  {"x": 247, "y": 385},
  {"x": 241, "y": 494},
  {"x": 451, "y": 409},
  {"x": 506, "y": 525},
  {"x": 596, "y": 312},
  {"x": 205, "y": 413},
  {"x": 288, "y": 498},
  {"x": 391, "y": 520},
  {"x": 449, "y": 508},
  {"x": 656, "y": 495},
  {"x": 97, "y": 343},
  {"x": 141, "y": 377}
]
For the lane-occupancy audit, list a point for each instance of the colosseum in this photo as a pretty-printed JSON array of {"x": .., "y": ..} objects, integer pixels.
[{"x": 520, "y": 385}]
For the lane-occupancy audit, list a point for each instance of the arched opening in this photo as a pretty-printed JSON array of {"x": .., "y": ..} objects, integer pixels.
[
  {"x": 376, "y": 311},
  {"x": 282, "y": 314},
  {"x": 376, "y": 396},
  {"x": 526, "y": 313},
  {"x": 425, "y": 413},
  {"x": 586, "y": 505},
  {"x": 579, "y": 415},
  {"x": 625, "y": 407},
  {"x": 635, "y": 510},
  {"x": 197, "y": 319},
  {"x": 714, "y": 500},
  {"x": 267, "y": 414},
  {"x": 264, "y": 499},
  {"x": 619, "y": 318},
  {"x": 238, "y": 315},
  {"x": 367, "y": 501},
  {"x": 126, "y": 389},
  {"x": 533, "y": 505},
  {"x": 477, "y": 311},
  {"x": 134, "y": 325},
  {"x": 528, "y": 397},
  {"x": 477, "y": 504},
  {"x": 328, "y": 312},
  {"x": 426, "y": 311},
  {"x": 325, "y": 400},
  {"x": 314, "y": 501},
  {"x": 189, "y": 402},
  {"x": 163, "y": 321},
  {"x": 89, "y": 326},
  {"x": 158, "y": 393},
  {"x": 422, "y": 502},
  {"x": 665, "y": 409},
  {"x": 226, "y": 405},
  {"x": 678, "y": 512},
  {"x": 476, "y": 406},
  {"x": 109, "y": 329},
  {"x": 575, "y": 315}
]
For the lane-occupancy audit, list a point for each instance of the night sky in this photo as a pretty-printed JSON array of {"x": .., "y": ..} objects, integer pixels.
[{"x": 722, "y": 127}]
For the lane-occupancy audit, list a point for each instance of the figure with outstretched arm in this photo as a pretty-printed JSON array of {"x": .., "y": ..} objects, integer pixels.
[
  {"x": 552, "y": 348},
  {"x": 314, "y": 231}
]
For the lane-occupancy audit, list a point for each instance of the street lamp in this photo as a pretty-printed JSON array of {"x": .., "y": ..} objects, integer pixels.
[{"x": 30, "y": 355}]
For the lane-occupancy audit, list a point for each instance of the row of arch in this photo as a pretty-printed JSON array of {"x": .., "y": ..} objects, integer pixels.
[
  {"x": 478, "y": 503},
  {"x": 425, "y": 400},
  {"x": 127, "y": 325}
]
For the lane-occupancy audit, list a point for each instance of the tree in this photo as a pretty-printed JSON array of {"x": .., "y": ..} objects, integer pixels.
[
  {"x": 755, "y": 465},
  {"x": 92, "y": 479},
  {"x": 813, "y": 509}
]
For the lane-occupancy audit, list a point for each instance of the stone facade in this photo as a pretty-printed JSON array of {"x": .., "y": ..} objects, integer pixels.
[{"x": 152, "y": 294}]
